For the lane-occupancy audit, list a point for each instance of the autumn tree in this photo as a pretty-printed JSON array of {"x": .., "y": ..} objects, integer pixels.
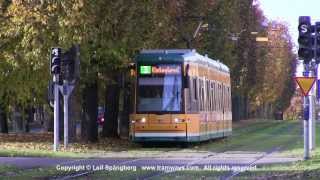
[
  {"x": 271, "y": 96},
  {"x": 111, "y": 32}
]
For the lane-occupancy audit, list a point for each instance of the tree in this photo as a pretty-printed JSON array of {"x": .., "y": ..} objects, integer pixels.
[
  {"x": 111, "y": 32},
  {"x": 280, "y": 62}
]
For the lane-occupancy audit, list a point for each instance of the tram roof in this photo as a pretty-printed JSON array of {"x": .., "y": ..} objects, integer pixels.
[{"x": 179, "y": 55}]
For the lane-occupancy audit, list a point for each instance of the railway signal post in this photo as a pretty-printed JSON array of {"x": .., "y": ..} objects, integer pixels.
[
  {"x": 306, "y": 127},
  {"x": 55, "y": 66},
  {"x": 308, "y": 50},
  {"x": 64, "y": 68},
  {"x": 71, "y": 62}
]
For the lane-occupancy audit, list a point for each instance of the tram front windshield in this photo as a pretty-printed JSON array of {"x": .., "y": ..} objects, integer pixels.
[{"x": 159, "y": 88}]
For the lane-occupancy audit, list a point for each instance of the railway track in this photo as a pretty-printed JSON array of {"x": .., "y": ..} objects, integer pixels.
[
  {"x": 226, "y": 176},
  {"x": 232, "y": 174},
  {"x": 251, "y": 164},
  {"x": 254, "y": 162}
]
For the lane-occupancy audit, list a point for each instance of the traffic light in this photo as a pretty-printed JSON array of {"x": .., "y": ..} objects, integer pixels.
[
  {"x": 55, "y": 63},
  {"x": 71, "y": 63},
  {"x": 317, "y": 37},
  {"x": 306, "y": 39}
]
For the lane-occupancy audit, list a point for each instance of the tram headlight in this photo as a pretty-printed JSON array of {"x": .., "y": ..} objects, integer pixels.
[
  {"x": 177, "y": 120},
  {"x": 143, "y": 120}
]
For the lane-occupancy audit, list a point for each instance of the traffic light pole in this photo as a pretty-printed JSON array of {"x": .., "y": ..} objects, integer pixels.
[
  {"x": 66, "y": 90},
  {"x": 309, "y": 40},
  {"x": 306, "y": 119},
  {"x": 70, "y": 63},
  {"x": 311, "y": 115},
  {"x": 306, "y": 128},
  {"x": 56, "y": 113},
  {"x": 65, "y": 115}
]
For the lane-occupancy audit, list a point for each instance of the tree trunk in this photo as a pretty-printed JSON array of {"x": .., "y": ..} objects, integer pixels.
[
  {"x": 3, "y": 120},
  {"x": 17, "y": 120},
  {"x": 89, "y": 125},
  {"x": 110, "y": 126},
  {"x": 73, "y": 116},
  {"x": 47, "y": 116},
  {"x": 29, "y": 118},
  {"x": 126, "y": 109}
]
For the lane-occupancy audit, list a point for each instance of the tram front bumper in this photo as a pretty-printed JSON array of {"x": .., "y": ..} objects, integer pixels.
[{"x": 161, "y": 133}]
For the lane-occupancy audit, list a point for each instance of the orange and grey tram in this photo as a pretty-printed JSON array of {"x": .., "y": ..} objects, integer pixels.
[{"x": 180, "y": 95}]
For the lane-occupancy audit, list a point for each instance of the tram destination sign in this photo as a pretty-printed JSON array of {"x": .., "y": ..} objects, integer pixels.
[
  {"x": 145, "y": 70},
  {"x": 159, "y": 69}
]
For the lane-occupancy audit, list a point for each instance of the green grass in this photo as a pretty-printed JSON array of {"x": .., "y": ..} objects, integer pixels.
[
  {"x": 259, "y": 136},
  {"x": 40, "y": 153},
  {"x": 45, "y": 173},
  {"x": 190, "y": 175},
  {"x": 263, "y": 136},
  {"x": 246, "y": 138},
  {"x": 254, "y": 136},
  {"x": 37, "y": 173},
  {"x": 120, "y": 175},
  {"x": 308, "y": 169},
  {"x": 11, "y": 172},
  {"x": 4, "y": 169}
]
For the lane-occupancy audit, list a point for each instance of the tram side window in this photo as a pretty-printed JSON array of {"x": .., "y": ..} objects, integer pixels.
[
  {"x": 208, "y": 103},
  {"x": 214, "y": 97},
  {"x": 202, "y": 95},
  {"x": 220, "y": 98},
  {"x": 211, "y": 96},
  {"x": 217, "y": 97},
  {"x": 229, "y": 99},
  {"x": 222, "y": 102},
  {"x": 195, "y": 88},
  {"x": 225, "y": 106},
  {"x": 223, "y": 98}
]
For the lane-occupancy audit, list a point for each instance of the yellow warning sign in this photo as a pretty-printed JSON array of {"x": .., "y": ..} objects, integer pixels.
[{"x": 305, "y": 84}]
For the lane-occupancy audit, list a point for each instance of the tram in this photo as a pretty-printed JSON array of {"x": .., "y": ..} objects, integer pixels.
[{"x": 180, "y": 96}]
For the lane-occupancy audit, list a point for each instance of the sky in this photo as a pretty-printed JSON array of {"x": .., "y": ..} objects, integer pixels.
[{"x": 289, "y": 12}]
